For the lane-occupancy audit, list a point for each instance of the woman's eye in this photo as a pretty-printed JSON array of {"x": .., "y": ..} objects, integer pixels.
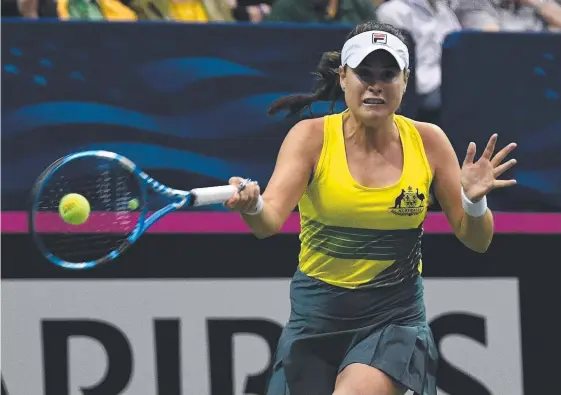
[{"x": 388, "y": 75}]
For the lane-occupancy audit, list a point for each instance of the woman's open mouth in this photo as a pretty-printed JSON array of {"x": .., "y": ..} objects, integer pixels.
[{"x": 373, "y": 101}]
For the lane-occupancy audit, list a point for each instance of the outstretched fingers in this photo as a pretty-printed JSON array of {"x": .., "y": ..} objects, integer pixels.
[
  {"x": 503, "y": 183},
  {"x": 497, "y": 171},
  {"x": 488, "y": 153},
  {"x": 502, "y": 154},
  {"x": 470, "y": 154}
]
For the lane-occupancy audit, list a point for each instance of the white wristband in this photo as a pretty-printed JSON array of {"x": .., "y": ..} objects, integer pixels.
[
  {"x": 257, "y": 209},
  {"x": 472, "y": 209}
]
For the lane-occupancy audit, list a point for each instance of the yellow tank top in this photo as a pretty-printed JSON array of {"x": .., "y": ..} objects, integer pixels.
[{"x": 354, "y": 236}]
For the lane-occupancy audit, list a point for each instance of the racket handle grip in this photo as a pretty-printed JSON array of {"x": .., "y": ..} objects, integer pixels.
[{"x": 212, "y": 195}]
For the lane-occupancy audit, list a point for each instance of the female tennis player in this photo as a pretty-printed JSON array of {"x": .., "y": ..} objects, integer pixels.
[{"x": 361, "y": 180}]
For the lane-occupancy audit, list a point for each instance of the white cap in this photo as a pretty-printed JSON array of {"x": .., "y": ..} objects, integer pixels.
[{"x": 360, "y": 46}]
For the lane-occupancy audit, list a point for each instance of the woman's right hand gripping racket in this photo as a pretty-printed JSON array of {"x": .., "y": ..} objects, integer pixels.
[{"x": 117, "y": 193}]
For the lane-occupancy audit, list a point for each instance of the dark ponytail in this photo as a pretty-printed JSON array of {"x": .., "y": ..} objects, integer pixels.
[{"x": 327, "y": 88}]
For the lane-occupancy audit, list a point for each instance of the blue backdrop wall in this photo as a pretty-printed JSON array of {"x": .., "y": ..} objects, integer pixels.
[{"x": 180, "y": 101}]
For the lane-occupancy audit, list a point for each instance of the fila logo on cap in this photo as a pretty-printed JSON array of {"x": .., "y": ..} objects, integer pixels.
[{"x": 379, "y": 38}]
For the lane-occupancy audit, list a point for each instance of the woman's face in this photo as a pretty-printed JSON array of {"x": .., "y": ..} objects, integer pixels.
[{"x": 373, "y": 90}]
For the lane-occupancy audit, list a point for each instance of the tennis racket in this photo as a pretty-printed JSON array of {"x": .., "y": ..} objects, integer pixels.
[{"x": 110, "y": 182}]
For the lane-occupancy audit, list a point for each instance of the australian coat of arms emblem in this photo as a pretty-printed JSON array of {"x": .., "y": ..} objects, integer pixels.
[{"x": 409, "y": 202}]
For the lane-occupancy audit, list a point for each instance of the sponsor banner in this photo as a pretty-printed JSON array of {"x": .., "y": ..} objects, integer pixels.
[
  {"x": 199, "y": 337},
  {"x": 183, "y": 261}
]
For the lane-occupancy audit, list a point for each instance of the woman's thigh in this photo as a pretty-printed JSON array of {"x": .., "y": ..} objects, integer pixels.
[{"x": 360, "y": 379}]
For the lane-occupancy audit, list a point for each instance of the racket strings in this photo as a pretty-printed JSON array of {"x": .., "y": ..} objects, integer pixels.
[{"x": 109, "y": 190}]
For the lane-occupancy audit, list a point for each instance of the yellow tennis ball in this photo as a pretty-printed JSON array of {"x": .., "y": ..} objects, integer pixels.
[
  {"x": 74, "y": 209},
  {"x": 133, "y": 204}
]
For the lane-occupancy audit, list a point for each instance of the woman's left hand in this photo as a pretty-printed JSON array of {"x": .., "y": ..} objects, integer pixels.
[{"x": 479, "y": 178}]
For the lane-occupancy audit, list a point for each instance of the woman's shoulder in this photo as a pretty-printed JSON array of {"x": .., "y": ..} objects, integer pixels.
[
  {"x": 312, "y": 128},
  {"x": 307, "y": 135},
  {"x": 430, "y": 133},
  {"x": 435, "y": 142}
]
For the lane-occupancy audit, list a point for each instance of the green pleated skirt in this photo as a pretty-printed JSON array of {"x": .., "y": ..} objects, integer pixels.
[{"x": 331, "y": 327}]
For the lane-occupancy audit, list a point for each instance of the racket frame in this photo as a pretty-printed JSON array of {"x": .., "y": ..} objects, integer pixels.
[{"x": 183, "y": 198}]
